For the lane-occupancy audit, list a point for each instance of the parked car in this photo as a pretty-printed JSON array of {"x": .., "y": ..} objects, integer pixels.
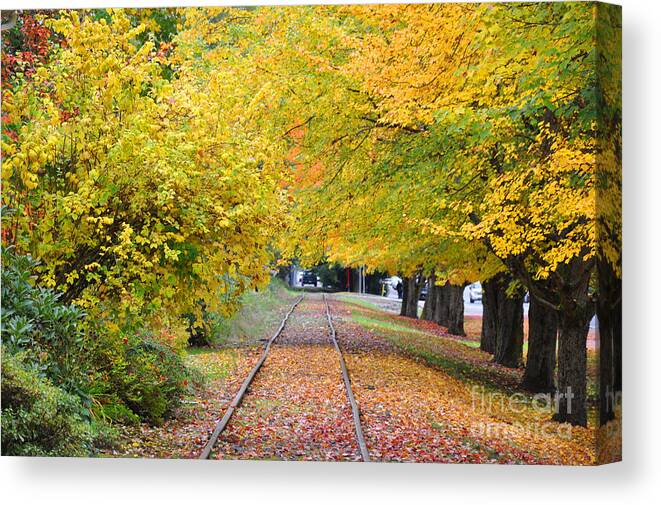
[
  {"x": 475, "y": 292},
  {"x": 310, "y": 278}
]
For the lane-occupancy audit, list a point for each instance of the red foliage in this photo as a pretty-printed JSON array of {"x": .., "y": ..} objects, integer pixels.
[{"x": 23, "y": 51}]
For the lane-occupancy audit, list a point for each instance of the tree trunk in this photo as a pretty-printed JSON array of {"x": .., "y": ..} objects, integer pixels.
[
  {"x": 609, "y": 333},
  {"x": 405, "y": 295},
  {"x": 572, "y": 360},
  {"x": 489, "y": 316},
  {"x": 505, "y": 321},
  {"x": 509, "y": 329},
  {"x": 539, "y": 376},
  {"x": 574, "y": 313},
  {"x": 441, "y": 315},
  {"x": 428, "y": 309},
  {"x": 455, "y": 322},
  {"x": 411, "y": 293}
]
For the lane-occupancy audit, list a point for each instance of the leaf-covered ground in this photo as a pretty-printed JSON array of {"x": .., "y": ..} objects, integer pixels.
[
  {"x": 429, "y": 396},
  {"x": 424, "y": 395},
  {"x": 296, "y": 409}
]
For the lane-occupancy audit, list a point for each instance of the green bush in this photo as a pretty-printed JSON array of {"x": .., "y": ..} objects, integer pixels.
[
  {"x": 38, "y": 418},
  {"x": 34, "y": 322},
  {"x": 122, "y": 377},
  {"x": 137, "y": 375},
  {"x": 117, "y": 412}
]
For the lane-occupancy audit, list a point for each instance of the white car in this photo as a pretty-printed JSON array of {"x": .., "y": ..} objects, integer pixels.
[{"x": 475, "y": 292}]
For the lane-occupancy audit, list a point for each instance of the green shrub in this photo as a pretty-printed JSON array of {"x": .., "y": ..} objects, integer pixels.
[
  {"x": 137, "y": 375},
  {"x": 36, "y": 324},
  {"x": 38, "y": 418},
  {"x": 156, "y": 380},
  {"x": 121, "y": 376},
  {"x": 117, "y": 412}
]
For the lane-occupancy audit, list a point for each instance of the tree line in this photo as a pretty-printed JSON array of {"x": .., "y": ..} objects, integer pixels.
[{"x": 455, "y": 143}]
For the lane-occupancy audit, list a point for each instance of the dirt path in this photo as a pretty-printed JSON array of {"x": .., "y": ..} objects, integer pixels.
[{"x": 297, "y": 408}]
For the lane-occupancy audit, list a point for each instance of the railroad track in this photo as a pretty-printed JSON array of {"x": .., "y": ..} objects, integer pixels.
[
  {"x": 347, "y": 384},
  {"x": 224, "y": 421}
]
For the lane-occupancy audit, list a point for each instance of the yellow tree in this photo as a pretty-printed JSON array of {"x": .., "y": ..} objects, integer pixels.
[
  {"x": 141, "y": 189},
  {"x": 356, "y": 202},
  {"x": 495, "y": 107},
  {"x": 515, "y": 124}
]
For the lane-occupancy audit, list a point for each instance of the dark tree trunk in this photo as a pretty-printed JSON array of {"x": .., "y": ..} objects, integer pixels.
[
  {"x": 509, "y": 329},
  {"x": 574, "y": 313},
  {"x": 572, "y": 360},
  {"x": 455, "y": 321},
  {"x": 428, "y": 309},
  {"x": 405, "y": 295},
  {"x": 609, "y": 316},
  {"x": 445, "y": 306},
  {"x": 539, "y": 376},
  {"x": 412, "y": 286},
  {"x": 502, "y": 322},
  {"x": 489, "y": 316},
  {"x": 441, "y": 304}
]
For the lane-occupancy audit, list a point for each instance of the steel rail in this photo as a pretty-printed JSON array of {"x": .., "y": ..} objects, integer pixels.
[
  {"x": 355, "y": 410},
  {"x": 222, "y": 424}
]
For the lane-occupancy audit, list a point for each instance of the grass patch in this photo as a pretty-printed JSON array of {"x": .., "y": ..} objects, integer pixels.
[
  {"x": 196, "y": 351},
  {"x": 387, "y": 325},
  {"x": 258, "y": 316},
  {"x": 357, "y": 301},
  {"x": 471, "y": 343}
]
